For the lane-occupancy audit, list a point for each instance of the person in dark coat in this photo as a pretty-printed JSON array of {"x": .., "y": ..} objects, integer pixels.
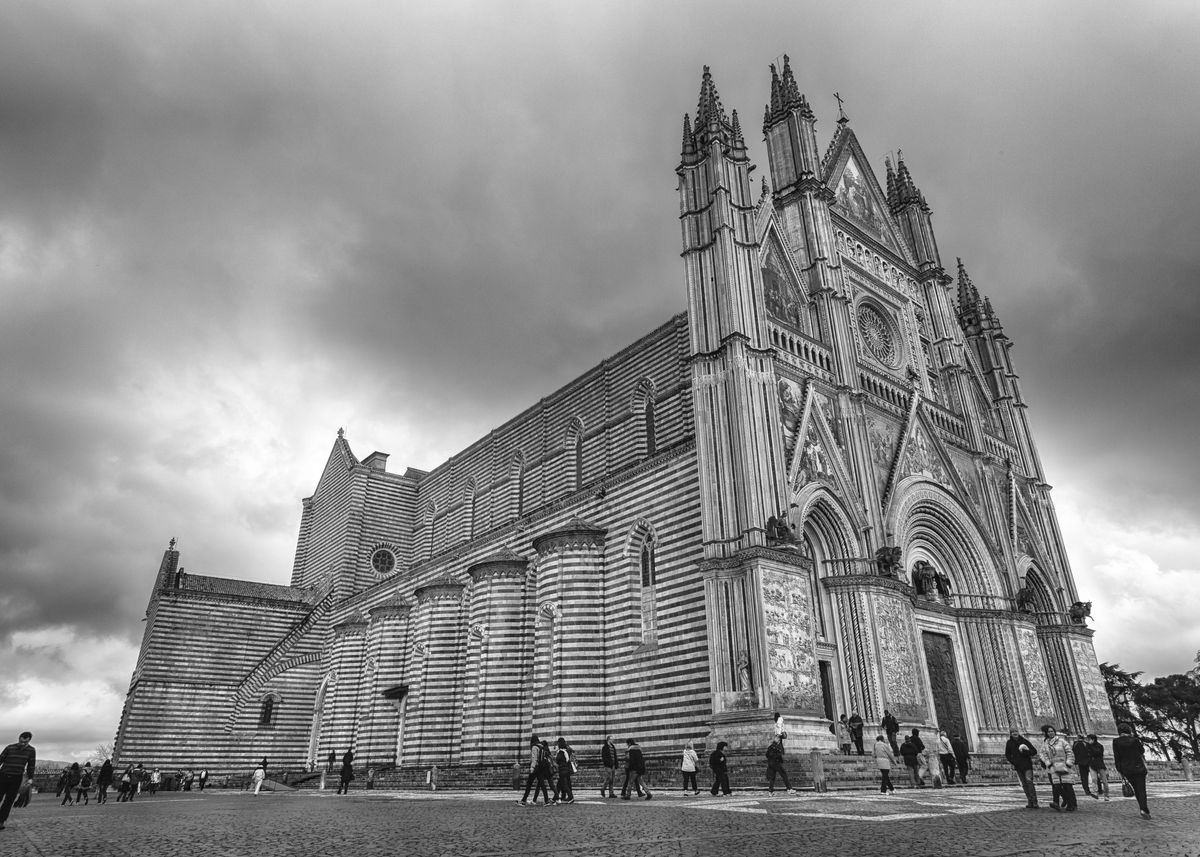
[
  {"x": 1083, "y": 759},
  {"x": 608, "y": 758},
  {"x": 17, "y": 763},
  {"x": 962, "y": 757},
  {"x": 912, "y": 757},
  {"x": 103, "y": 780},
  {"x": 720, "y": 769},
  {"x": 856, "y": 731},
  {"x": 891, "y": 726},
  {"x": 1098, "y": 769},
  {"x": 1129, "y": 757},
  {"x": 85, "y": 783},
  {"x": 562, "y": 759},
  {"x": 635, "y": 767},
  {"x": 347, "y": 773},
  {"x": 917, "y": 742},
  {"x": 1021, "y": 753},
  {"x": 537, "y": 774},
  {"x": 775, "y": 766}
]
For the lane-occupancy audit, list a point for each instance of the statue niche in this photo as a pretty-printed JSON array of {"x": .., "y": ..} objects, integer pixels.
[
  {"x": 931, "y": 583},
  {"x": 887, "y": 561},
  {"x": 781, "y": 534}
]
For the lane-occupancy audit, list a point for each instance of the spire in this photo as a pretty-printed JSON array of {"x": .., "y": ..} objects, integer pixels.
[
  {"x": 785, "y": 95},
  {"x": 893, "y": 197},
  {"x": 842, "y": 117},
  {"x": 791, "y": 92},
  {"x": 711, "y": 121},
  {"x": 968, "y": 295},
  {"x": 689, "y": 140},
  {"x": 990, "y": 314},
  {"x": 776, "y": 105}
]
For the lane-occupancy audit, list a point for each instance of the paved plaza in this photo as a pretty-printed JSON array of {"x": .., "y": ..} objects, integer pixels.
[{"x": 964, "y": 822}]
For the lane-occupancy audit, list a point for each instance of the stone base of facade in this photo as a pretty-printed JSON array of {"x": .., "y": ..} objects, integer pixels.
[{"x": 754, "y": 730}]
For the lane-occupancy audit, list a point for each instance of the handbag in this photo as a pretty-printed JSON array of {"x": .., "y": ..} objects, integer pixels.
[{"x": 1126, "y": 788}]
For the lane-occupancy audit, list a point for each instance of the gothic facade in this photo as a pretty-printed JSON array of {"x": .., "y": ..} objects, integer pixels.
[{"x": 814, "y": 491}]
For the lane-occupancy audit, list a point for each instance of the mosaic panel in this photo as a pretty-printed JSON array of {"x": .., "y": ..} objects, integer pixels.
[
  {"x": 791, "y": 410},
  {"x": 882, "y": 434},
  {"x": 1094, "y": 695},
  {"x": 921, "y": 458}
]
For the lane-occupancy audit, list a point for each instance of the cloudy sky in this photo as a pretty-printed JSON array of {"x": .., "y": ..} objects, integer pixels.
[{"x": 229, "y": 228}]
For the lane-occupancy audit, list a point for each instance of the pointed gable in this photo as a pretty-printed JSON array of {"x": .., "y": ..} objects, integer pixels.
[
  {"x": 785, "y": 291},
  {"x": 857, "y": 194}
]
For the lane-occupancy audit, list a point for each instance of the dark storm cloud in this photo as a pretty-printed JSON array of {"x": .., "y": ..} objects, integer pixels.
[{"x": 227, "y": 229}]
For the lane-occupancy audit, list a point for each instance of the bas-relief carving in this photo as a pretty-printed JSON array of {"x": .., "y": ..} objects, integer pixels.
[
  {"x": 898, "y": 657},
  {"x": 1094, "y": 695},
  {"x": 814, "y": 461},
  {"x": 1035, "y": 673},
  {"x": 791, "y": 407},
  {"x": 829, "y": 411},
  {"x": 882, "y": 434},
  {"x": 791, "y": 661}
]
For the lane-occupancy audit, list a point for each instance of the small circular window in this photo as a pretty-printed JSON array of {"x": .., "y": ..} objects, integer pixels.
[{"x": 383, "y": 561}]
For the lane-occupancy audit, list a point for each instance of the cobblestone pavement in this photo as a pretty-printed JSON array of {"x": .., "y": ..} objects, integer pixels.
[{"x": 963, "y": 822}]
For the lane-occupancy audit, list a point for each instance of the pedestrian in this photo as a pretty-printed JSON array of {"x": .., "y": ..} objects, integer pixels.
[
  {"x": 775, "y": 766},
  {"x": 139, "y": 777},
  {"x": 719, "y": 766},
  {"x": 1096, "y": 766},
  {"x": 17, "y": 762},
  {"x": 1058, "y": 760},
  {"x": 911, "y": 756},
  {"x": 85, "y": 784},
  {"x": 188, "y": 779},
  {"x": 962, "y": 757},
  {"x": 64, "y": 785},
  {"x": 856, "y": 731},
  {"x": 608, "y": 758},
  {"x": 1083, "y": 762},
  {"x": 536, "y": 775},
  {"x": 780, "y": 727},
  {"x": 370, "y": 778},
  {"x": 884, "y": 760},
  {"x": 917, "y": 742},
  {"x": 257, "y": 778},
  {"x": 1129, "y": 758},
  {"x": 890, "y": 727},
  {"x": 689, "y": 765},
  {"x": 347, "y": 773},
  {"x": 103, "y": 780},
  {"x": 203, "y": 778},
  {"x": 155, "y": 781},
  {"x": 635, "y": 766},
  {"x": 842, "y": 731},
  {"x": 945, "y": 754},
  {"x": 1020, "y": 753},
  {"x": 565, "y": 762}
]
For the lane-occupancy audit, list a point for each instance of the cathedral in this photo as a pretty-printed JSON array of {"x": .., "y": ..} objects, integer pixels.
[{"x": 815, "y": 491}]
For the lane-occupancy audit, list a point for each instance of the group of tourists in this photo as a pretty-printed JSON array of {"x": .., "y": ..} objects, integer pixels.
[
  {"x": 550, "y": 769},
  {"x": 1065, "y": 762}
]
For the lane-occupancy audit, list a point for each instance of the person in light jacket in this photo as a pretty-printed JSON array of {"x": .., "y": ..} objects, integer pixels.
[
  {"x": 884, "y": 760},
  {"x": 688, "y": 766},
  {"x": 1059, "y": 762}
]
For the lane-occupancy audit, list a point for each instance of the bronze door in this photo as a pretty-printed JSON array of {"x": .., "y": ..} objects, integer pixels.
[{"x": 943, "y": 681}]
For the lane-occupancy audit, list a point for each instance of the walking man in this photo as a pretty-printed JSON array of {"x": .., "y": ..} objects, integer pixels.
[
  {"x": 775, "y": 766},
  {"x": 608, "y": 758},
  {"x": 635, "y": 766},
  {"x": 719, "y": 766},
  {"x": 856, "y": 731},
  {"x": 1083, "y": 760},
  {"x": 945, "y": 752},
  {"x": 891, "y": 726},
  {"x": 962, "y": 757},
  {"x": 17, "y": 762}
]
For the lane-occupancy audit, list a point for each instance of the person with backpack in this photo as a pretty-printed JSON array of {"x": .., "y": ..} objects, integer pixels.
[
  {"x": 538, "y": 774},
  {"x": 688, "y": 766},
  {"x": 564, "y": 759},
  {"x": 720, "y": 769},
  {"x": 890, "y": 727},
  {"x": 1129, "y": 757},
  {"x": 85, "y": 784},
  {"x": 775, "y": 766},
  {"x": 635, "y": 766}
]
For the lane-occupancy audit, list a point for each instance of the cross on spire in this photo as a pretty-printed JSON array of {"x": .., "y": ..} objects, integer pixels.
[{"x": 842, "y": 117}]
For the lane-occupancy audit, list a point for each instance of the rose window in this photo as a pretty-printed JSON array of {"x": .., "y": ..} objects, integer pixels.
[{"x": 876, "y": 334}]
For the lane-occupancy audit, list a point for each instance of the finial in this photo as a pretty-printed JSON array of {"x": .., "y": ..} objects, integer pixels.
[
  {"x": 341, "y": 433},
  {"x": 171, "y": 544},
  {"x": 765, "y": 190},
  {"x": 736, "y": 126},
  {"x": 842, "y": 117}
]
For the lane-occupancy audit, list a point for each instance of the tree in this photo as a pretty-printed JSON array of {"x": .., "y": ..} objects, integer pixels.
[
  {"x": 1171, "y": 710},
  {"x": 1121, "y": 688},
  {"x": 103, "y": 751}
]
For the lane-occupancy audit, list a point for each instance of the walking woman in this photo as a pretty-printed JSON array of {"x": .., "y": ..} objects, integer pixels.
[
  {"x": 720, "y": 769},
  {"x": 1058, "y": 758},
  {"x": 1129, "y": 757},
  {"x": 688, "y": 766},
  {"x": 103, "y": 781},
  {"x": 71, "y": 778},
  {"x": 565, "y": 763},
  {"x": 85, "y": 784},
  {"x": 537, "y": 774},
  {"x": 884, "y": 760}
]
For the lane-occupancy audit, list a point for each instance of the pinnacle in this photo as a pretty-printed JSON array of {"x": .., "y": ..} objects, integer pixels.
[
  {"x": 689, "y": 138},
  {"x": 968, "y": 295}
]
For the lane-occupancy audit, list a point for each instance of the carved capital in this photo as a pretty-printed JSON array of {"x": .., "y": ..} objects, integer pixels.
[{"x": 575, "y": 535}]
